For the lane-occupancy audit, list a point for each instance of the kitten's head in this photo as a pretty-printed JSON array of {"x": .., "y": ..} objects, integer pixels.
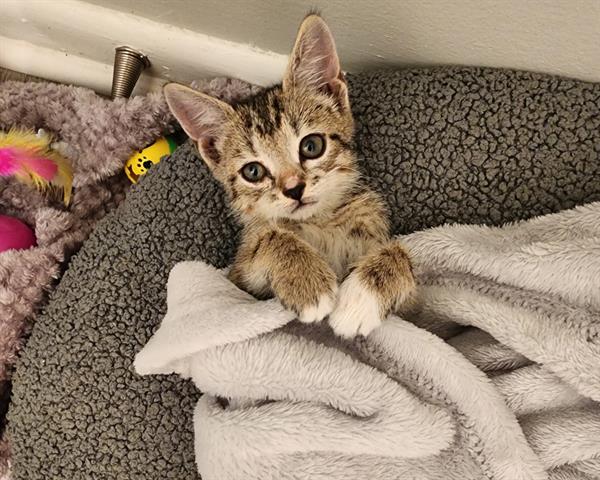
[{"x": 284, "y": 153}]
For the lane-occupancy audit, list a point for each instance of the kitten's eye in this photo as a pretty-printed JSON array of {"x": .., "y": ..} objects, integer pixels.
[
  {"x": 312, "y": 146},
  {"x": 253, "y": 172}
]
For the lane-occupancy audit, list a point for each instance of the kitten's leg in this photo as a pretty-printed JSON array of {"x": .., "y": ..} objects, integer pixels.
[
  {"x": 289, "y": 267},
  {"x": 380, "y": 283}
]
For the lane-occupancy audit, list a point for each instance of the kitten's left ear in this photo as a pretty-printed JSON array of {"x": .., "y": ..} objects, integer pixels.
[
  {"x": 202, "y": 117},
  {"x": 314, "y": 63}
]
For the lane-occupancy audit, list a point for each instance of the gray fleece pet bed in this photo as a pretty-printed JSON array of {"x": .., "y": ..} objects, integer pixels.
[{"x": 445, "y": 145}]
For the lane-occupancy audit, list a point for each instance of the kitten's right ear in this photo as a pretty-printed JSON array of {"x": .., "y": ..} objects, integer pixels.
[{"x": 202, "y": 117}]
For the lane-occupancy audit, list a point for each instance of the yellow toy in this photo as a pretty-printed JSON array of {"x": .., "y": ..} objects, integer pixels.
[{"x": 142, "y": 161}]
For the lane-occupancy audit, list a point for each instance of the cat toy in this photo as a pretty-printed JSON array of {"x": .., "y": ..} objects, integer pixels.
[
  {"x": 128, "y": 66},
  {"x": 30, "y": 159},
  {"x": 143, "y": 160},
  {"x": 15, "y": 235}
]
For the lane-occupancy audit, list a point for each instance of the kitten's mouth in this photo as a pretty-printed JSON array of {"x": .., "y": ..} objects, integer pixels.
[{"x": 301, "y": 204}]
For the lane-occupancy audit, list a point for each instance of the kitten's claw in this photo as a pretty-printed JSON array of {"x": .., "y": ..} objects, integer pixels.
[
  {"x": 316, "y": 313},
  {"x": 358, "y": 310}
]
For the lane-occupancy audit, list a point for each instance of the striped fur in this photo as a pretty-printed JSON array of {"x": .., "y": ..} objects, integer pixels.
[{"x": 299, "y": 249}]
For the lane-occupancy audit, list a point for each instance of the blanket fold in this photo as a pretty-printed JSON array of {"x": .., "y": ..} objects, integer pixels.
[
  {"x": 259, "y": 368},
  {"x": 513, "y": 396}
]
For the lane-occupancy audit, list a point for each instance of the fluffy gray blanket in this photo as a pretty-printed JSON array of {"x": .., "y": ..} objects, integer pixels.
[{"x": 515, "y": 396}]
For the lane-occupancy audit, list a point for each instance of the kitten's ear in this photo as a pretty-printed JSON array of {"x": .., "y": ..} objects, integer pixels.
[
  {"x": 314, "y": 62},
  {"x": 202, "y": 117}
]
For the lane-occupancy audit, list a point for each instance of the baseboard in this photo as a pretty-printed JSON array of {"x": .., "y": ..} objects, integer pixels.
[{"x": 73, "y": 42}]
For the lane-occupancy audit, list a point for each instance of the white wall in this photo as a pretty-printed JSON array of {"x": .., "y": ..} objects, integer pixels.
[
  {"x": 559, "y": 36},
  {"x": 554, "y": 36}
]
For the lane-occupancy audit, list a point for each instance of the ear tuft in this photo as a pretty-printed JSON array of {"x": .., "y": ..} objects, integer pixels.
[{"x": 314, "y": 63}]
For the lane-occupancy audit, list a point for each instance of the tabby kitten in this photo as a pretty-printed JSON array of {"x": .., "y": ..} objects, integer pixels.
[{"x": 285, "y": 158}]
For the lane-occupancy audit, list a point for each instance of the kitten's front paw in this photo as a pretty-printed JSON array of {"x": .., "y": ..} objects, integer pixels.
[
  {"x": 358, "y": 310},
  {"x": 311, "y": 293},
  {"x": 323, "y": 307}
]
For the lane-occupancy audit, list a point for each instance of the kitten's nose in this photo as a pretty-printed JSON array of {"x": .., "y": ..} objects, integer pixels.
[{"x": 295, "y": 192}]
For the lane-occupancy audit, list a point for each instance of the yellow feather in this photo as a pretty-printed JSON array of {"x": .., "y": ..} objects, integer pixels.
[
  {"x": 24, "y": 139},
  {"x": 64, "y": 175}
]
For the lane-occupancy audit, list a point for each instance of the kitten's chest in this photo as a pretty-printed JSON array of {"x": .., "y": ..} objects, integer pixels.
[{"x": 335, "y": 244}]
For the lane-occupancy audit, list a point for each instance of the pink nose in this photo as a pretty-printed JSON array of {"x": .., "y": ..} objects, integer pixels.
[
  {"x": 296, "y": 192},
  {"x": 291, "y": 182}
]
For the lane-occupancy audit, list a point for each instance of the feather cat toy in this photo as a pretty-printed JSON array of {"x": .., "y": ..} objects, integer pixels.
[{"x": 30, "y": 158}]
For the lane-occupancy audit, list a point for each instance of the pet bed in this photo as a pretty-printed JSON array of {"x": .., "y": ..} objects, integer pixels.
[
  {"x": 462, "y": 145},
  {"x": 97, "y": 136}
]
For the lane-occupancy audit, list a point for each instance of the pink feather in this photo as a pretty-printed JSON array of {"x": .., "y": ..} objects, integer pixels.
[
  {"x": 8, "y": 164},
  {"x": 18, "y": 161}
]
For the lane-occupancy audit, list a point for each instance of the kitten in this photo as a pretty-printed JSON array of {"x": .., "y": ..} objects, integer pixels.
[{"x": 285, "y": 158}]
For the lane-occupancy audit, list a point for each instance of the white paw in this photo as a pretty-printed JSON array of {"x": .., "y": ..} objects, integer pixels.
[
  {"x": 316, "y": 313},
  {"x": 357, "y": 311}
]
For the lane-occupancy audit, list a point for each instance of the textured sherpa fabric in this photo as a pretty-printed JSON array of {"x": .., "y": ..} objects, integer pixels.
[
  {"x": 474, "y": 145},
  {"x": 97, "y": 135},
  {"x": 80, "y": 412},
  {"x": 334, "y": 411}
]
